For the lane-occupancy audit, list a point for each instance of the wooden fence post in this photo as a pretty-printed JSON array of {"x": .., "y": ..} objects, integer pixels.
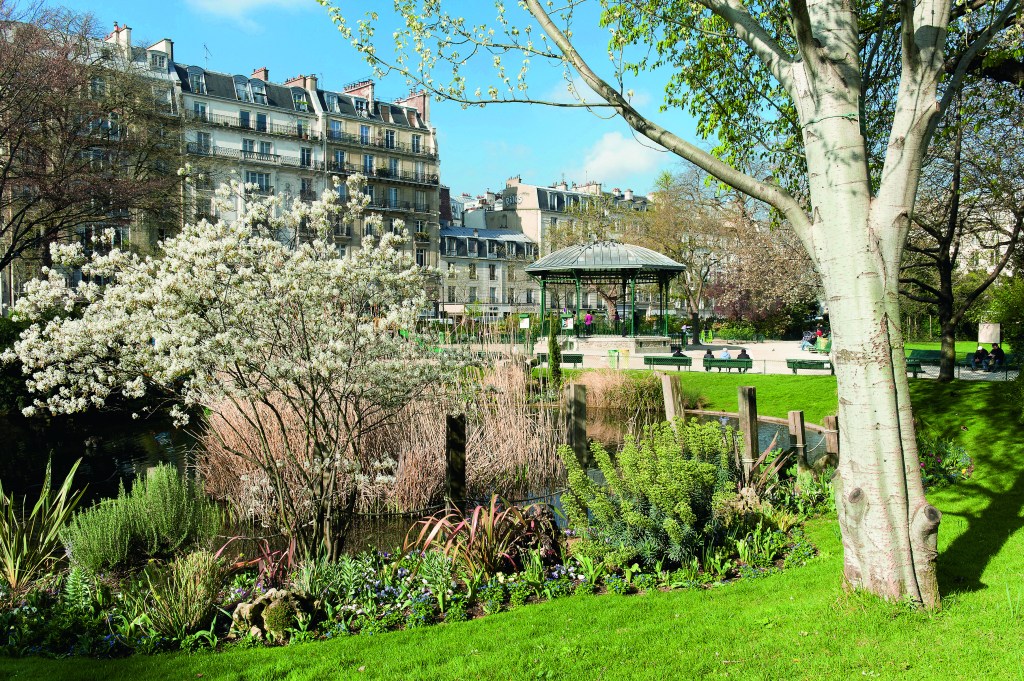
[
  {"x": 577, "y": 422},
  {"x": 748, "y": 427},
  {"x": 799, "y": 436},
  {"x": 455, "y": 460},
  {"x": 672, "y": 394},
  {"x": 831, "y": 424}
]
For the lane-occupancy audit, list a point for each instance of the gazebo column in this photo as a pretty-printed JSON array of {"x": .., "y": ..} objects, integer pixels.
[
  {"x": 632, "y": 307},
  {"x": 543, "y": 308}
]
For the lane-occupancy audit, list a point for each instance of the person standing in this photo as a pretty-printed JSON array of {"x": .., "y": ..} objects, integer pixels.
[{"x": 588, "y": 319}]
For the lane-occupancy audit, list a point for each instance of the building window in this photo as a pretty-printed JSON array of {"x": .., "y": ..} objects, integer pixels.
[
  {"x": 261, "y": 122},
  {"x": 417, "y": 143},
  {"x": 199, "y": 110},
  {"x": 332, "y": 102},
  {"x": 389, "y": 139},
  {"x": 244, "y": 119},
  {"x": 259, "y": 91},
  {"x": 364, "y": 134},
  {"x": 493, "y": 295},
  {"x": 471, "y": 297},
  {"x": 335, "y": 131},
  {"x": 299, "y": 100},
  {"x": 511, "y": 295},
  {"x": 266, "y": 148},
  {"x": 249, "y": 146},
  {"x": 306, "y": 187},
  {"x": 157, "y": 62},
  {"x": 342, "y": 251},
  {"x": 306, "y": 157},
  {"x": 472, "y": 270},
  {"x": 510, "y": 272},
  {"x": 421, "y": 171},
  {"x": 369, "y": 191},
  {"x": 367, "y": 228},
  {"x": 262, "y": 180},
  {"x": 242, "y": 93},
  {"x": 421, "y": 257},
  {"x": 392, "y": 197},
  {"x": 196, "y": 81},
  {"x": 451, "y": 294},
  {"x": 301, "y": 129},
  {"x": 529, "y": 296},
  {"x": 368, "y": 164},
  {"x": 203, "y": 142},
  {"x": 393, "y": 167},
  {"x": 421, "y": 225},
  {"x": 339, "y": 159},
  {"x": 471, "y": 246},
  {"x": 361, "y": 107},
  {"x": 421, "y": 201},
  {"x": 492, "y": 272}
]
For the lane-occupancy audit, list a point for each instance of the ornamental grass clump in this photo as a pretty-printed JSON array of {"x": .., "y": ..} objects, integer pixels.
[
  {"x": 179, "y": 598},
  {"x": 657, "y": 498}
]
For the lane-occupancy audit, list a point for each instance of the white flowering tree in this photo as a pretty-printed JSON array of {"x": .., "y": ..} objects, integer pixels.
[{"x": 294, "y": 353}]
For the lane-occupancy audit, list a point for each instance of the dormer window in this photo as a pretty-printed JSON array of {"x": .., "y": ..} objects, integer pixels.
[
  {"x": 361, "y": 107},
  {"x": 242, "y": 92},
  {"x": 157, "y": 61},
  {"x": 299, "y": 99},
  {"x": 259, "y": 91},
  {"x": 196, "y": 80},
  {"x": 332, "y": 102}
]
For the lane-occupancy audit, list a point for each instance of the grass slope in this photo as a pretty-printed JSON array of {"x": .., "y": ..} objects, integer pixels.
[{"x": 798, "y": 625}]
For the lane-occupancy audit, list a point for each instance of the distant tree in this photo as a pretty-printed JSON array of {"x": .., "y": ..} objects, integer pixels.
[
  {"x": 971, "y": 203},
  {"x": 85, "y": 139}
]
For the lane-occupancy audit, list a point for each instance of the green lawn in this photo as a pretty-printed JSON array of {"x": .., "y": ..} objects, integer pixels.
[
  {"x": 962, "y": 346},
  {"x": 798, "y": 625}
]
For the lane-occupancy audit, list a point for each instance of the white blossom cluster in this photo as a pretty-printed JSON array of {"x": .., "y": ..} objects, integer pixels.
[{"x": 228, "y": 314}]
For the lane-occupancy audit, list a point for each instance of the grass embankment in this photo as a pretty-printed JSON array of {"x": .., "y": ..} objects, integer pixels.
[{"x": 797, "y": 625}]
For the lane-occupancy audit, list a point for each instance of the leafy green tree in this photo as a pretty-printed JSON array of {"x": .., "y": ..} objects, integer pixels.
[{"x": 838, "y": 102}]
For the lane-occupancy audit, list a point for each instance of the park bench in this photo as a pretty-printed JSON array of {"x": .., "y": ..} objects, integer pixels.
[
  {"x": 926, "y": 357},
  {"x": 683, "y": 361},
  {"x": 728, "y": 364},
  {"x": 914, "y": 367},
  {"x": 572, "y": 358},
  {"x": 822, "y": 345},
  {"x": 795, "y": 364},
  {"x": 1012, "y": 362}
]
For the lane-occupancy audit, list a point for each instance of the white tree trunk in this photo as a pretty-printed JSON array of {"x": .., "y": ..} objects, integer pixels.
[{"x": 889, "y": 530}]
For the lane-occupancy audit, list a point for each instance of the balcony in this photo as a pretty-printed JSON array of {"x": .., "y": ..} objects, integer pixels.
[
  {"x": 286, "y": 130},
  {"x": 248, "y": 156},
  {"x": 379, "y": 143},
  {"x": 260, "y": 157},
  {"x": 307, "y": 195}
]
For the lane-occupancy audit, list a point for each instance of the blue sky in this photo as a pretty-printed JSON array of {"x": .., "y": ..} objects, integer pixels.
[{"x": 479, "y": 147}]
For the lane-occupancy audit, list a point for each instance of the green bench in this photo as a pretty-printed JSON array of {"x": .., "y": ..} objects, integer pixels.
[
  {"x": 682, "y": 361},
  {"x": 572, "y": 358},
  {"x": 1011, "y": 362},
  {"x": 795, "y": 364},
  {"x": 926, "y": 357},
  {"x": 914, "y": 367},
  {"x": 728, "y": 364}
]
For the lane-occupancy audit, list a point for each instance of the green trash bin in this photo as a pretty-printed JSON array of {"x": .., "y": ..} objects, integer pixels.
[{"x": 613, "y": 359}]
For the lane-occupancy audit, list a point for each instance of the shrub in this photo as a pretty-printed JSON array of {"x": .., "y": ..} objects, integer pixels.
[
  {"x": 180, "y": 597},
  {"x": 554, "y": 353},
  {"x": 943, "y": 462},
  {"x": 28, "y": 539},
  {"x": 657, "y": 501},
  {"x": 163, "y": 514}
]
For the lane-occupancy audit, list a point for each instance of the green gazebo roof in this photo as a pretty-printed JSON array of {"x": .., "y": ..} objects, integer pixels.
[{"x": 605, "y": 261}]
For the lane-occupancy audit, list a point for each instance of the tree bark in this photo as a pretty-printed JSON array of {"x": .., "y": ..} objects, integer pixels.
[
  {"x": 695, "y": 331},
  {"x": 889, "y": 530}
]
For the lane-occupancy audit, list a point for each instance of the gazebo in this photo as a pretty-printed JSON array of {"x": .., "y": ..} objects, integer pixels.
[{"x": 607, "y": 262}]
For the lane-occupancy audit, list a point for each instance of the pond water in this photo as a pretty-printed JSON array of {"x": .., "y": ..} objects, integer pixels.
[{"x": 113, "y": 448}]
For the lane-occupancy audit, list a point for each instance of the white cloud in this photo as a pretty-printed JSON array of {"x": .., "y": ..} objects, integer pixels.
[{"x": 615, "y": 158}]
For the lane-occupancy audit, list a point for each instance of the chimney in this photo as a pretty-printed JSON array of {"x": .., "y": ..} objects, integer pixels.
[
  {"x": 629, "y": 195},
  {"x": 419, "y": 101},
  {"x": 514, "y": 181},
  {"x": 297, "y": 81},
  {"x": 562, "y": 185},
  {"x": 120, "y": 36},
  {"x": 616, "y": 191},
  {"x": 262, "y": 73},
  {"x": 364, "y": 89},
  {"x": 311, "y": 83}
]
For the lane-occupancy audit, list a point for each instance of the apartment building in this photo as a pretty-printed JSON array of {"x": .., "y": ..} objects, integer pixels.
[{"x": 291, "y": 138}]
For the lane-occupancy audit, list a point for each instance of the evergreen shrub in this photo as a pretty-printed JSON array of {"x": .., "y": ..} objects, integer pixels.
[{"x": 162, "y": 515}]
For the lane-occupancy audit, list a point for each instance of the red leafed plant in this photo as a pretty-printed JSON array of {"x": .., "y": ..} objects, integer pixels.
[{"x": 480, "y": 544}]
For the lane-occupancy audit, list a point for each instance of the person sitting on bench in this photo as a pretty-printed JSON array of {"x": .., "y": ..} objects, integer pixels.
[
  {"x": 996, "y": 358},
  {"x": 725, "y": 354},
  {"x": 743, "y": 354},
  {"x": 980, "y": 358}
]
